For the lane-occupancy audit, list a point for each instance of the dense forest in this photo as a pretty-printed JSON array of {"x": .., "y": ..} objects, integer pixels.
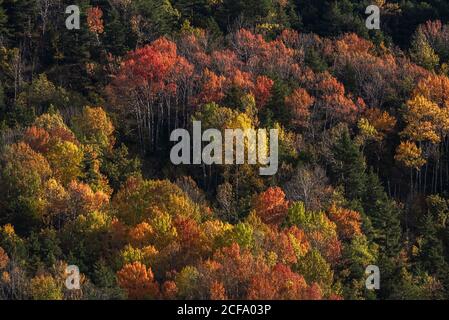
[{"x": 85, "y": 171}]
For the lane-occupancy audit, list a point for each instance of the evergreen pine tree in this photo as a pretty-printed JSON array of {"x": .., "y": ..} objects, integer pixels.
[
  {"x": 384, "y": 216},
  {"x": 349, "y": 167}
]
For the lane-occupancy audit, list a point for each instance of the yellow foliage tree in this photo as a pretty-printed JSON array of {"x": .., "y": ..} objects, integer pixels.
[
  {"x": 410, "y": 155},
  {"x": 65, "y": 159},
  {"x": 45, "y": 287},
  {"x": 422, "y": 118},
  {"x": 94, "y": 127}
]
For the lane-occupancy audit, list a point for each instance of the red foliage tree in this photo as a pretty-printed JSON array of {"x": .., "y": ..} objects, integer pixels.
[
  {"x": 148, "y": 83},
  {"x": 271, "y": 206},
  {"x": 281, "y": 284},
  {"x": 299, "y": 102},
  {"x": 212, "y": 88},
  {"x": 263, "y": 90}
]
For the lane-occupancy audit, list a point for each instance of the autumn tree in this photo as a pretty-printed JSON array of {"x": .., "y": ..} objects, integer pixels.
[
  {"x": 320, "y": 231},
  {"x": 271, "y": 206},
  {"x": 4, "y": 259},
  {"x": 147, "y": 85},
  {"x": 65, "y": 159},
  {"x": 422, "y": 53},
  {"x": 262, "y": 90},
  {"x": 409, "y": 154},
  {"x": 140, "y": 199},
  {"x": 23, "y": 174},
  {"x": 348, "y": 222},
  {"x": 300, "y": 102},
  {"x": 94, "y": 20},
  {"x": 94, "y": 127},
  {"x": 282, "y": 284},
  {"x": 45, "y": 287},
  {"x": 138, "y": 282}
]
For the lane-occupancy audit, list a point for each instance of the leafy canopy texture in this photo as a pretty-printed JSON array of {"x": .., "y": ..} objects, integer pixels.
[{"x": 363, "y": 169}]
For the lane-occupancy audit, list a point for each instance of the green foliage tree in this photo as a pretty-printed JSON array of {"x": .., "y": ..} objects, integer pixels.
[
  {"x": 422, "y": 53},
  {"x": 349, "y": 167}
]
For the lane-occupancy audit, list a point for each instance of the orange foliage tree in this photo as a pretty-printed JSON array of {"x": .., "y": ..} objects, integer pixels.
[
  {"x": 349, "y": 222},
  {"x": 138, "y": 281},
  {"x": 299, "y": 102},
  {"x": 271, "y": 206},
  {"x": 94, "y": 20}
]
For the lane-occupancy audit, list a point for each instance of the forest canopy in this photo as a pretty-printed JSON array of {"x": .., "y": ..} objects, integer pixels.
[{"x": 85, "y": 171}]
